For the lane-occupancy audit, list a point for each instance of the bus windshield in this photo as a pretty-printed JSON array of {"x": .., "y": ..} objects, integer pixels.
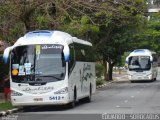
[
  {"x": 139, "y": 63},
  {"x": 37, "y": 63}
]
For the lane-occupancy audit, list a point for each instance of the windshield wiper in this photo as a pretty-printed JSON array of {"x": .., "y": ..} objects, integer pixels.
[{"x": 49, "y": 76}]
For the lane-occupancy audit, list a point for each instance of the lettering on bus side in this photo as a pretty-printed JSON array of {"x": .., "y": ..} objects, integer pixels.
[{"x": 85, "y": 74}]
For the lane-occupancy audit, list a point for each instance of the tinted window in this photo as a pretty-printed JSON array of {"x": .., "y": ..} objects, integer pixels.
[
  {"x": 84, "y": 53},
  {"x": 37, "y": 63},
  {"x": 72, "y": 57},
  {"x": 139, "y": 63}
]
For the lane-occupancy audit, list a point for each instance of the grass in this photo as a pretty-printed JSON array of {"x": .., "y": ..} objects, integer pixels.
[{"x": 6, "y": 106}]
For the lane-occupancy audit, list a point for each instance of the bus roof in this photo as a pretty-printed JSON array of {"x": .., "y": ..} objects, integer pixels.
[
  {"x": 48, "y": 37},
  {"x": 143, "y": 52}
]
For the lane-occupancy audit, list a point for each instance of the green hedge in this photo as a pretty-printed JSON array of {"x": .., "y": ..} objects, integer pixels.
[{"x": 99, "y": 70}]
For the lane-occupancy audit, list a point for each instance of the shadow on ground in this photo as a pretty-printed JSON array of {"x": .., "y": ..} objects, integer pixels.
[
  {"x": 51, "y": 107},
  {"x": 144, "y": 81}
]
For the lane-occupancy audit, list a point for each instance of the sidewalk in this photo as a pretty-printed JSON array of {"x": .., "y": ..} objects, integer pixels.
[
  {"x": 120, "y": 77},
  {"x": 117, "y": 78},
  {"x": 8, "y": 110}
]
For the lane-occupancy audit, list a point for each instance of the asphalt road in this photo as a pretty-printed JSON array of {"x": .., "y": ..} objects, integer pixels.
[{"x": 115, "y": 98}]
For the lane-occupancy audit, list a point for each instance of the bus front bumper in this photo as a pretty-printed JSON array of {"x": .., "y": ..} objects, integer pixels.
[
  {"x": 40, "y": 100},
  {"x": 139, "y": 78}
]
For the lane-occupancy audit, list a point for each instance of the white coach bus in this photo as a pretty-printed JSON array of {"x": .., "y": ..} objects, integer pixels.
[
  {"x": 142, "y": 65},
  {"x": 50, "y": 68}
]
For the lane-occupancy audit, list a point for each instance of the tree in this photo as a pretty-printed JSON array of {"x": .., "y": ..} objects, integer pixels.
[
  {"x": 107, "y": 24},
  {"x": 150, "y": 37},
  {"x": 20, "y": 16}
]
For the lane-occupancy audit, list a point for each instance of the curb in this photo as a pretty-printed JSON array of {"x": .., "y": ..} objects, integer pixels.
[
  {"x": 2, "y": 113},
  {"x": 7, "y": 112},
  {"x": 100, "y": 86},
  {"x": 114, "y": 81},
  {"x": 121, "y": 81}
]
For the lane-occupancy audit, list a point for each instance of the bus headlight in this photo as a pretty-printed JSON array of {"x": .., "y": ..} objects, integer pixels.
[
  {"x": 149, "y": 76},
  {"x": 62, "y": 91},
  {"x": 14, "y": 93},
  {"x": 130, "y": 76}
]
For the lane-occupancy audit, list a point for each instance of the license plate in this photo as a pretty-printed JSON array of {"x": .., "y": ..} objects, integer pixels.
[{"x": 38, "y": 99}]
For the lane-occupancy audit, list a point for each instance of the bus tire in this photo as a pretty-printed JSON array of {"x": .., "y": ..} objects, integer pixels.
[
  {"x": 89, "y": 98},
  {"x": 155, "y": 77},
  {"x": 73, "y": 103}
]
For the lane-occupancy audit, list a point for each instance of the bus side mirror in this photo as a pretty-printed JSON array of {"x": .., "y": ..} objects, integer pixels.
[
  {"x": 66, "y": 54},
  {"x": 151, "y": 59},
  {"x": 66, "y": 58},
  {"x": 63, "y": 60},
  {"x": 6, "y": 55}
]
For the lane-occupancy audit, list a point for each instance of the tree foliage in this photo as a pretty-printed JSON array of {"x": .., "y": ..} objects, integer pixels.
[
  {"x": 109, "y": 25},
  {"x": 150, "y": 37}
]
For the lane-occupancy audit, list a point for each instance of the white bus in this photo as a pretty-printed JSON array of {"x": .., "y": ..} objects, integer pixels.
[
  {"x": 142, "y": 65},
  {"x": 50, "y": 68}
]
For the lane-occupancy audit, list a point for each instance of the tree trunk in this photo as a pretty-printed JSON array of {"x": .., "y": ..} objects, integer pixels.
[
  {"x": 105, "y": 70},
  {"x": 110, "y": 71}
]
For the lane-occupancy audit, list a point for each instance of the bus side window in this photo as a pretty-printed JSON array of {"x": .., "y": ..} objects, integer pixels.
[
  {"x": 89, "y": 54},
  {"x": 80, "y": 52},
  {"x": 154, "y": 58},
  {"x": 72, "y": 57}
]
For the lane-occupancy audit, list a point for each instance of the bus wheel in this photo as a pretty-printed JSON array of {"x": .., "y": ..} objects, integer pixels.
[
  {"x": 73, "y": 103},
  {"x": 89, "y": 98}
]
